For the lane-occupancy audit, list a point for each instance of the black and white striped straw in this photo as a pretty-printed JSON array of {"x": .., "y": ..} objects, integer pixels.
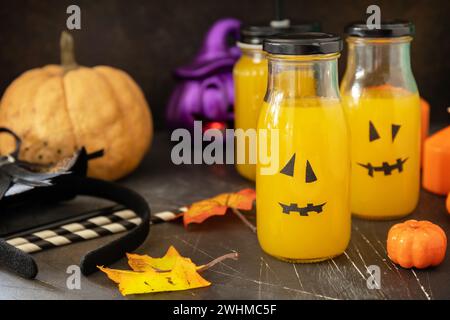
[
  {"x": 72, "y": 227},
  {"x": 166, "y": 216},
  {"x": 86, "y": 234},
  {"x": 92, "y": 228}
]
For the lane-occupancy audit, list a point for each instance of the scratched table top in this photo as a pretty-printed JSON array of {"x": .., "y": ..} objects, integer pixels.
[{"x": 255, "y": 275}]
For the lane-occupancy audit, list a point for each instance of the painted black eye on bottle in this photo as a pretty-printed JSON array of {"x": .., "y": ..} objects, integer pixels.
[{"x": 288, "y": 170}]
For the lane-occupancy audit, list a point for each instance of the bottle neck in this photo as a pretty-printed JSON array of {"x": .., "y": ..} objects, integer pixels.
[
  {"x": 253, "y": 52},
  {"x": 299, "y": 77},
  {"x": 376, "y": 62}
]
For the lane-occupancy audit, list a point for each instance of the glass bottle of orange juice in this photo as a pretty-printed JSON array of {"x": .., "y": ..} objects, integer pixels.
[
  {"x": 382, "y": 105},
  {"x": 303, "y": 207},
  {"x": 250, "y": 82}
]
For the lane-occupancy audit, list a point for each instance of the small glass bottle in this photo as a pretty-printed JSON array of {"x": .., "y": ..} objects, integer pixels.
[
  {"x": 250, "y": 82},
  {"x": 303, "y": 207},
  {"x": 382, "y": 105}
]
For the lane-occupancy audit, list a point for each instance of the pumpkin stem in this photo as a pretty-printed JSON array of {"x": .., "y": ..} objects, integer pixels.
[{"x": 68, "y": 61}]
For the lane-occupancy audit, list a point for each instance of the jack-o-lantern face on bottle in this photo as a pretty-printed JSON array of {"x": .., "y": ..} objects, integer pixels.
[
  {"x": 387, "y": 167},
  {"x": 309, "y": 177},
  {"x": 385, "y": 149}
]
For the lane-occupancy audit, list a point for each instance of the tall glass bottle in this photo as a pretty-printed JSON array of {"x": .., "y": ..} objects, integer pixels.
[
  {"x": 250, "y": 81},
  {"x": 303, "y": 206},
  {"x": 382, "y": 105}
]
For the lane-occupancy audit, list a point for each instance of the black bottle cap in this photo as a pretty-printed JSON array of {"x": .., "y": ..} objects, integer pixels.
[
  {"x": 387, "y": 30},
  {"x": 303, "y": 43},
  {"x": 255, "y": 34}
]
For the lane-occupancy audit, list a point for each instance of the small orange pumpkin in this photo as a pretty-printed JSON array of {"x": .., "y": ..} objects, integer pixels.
[{"x": 419, "y": 244}]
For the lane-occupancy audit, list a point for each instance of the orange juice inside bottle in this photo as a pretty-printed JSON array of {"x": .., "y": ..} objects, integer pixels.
[
  {"x": 315, "y": 131},
  {"x": 385, "y": 134},
  {"x": 250, "y": 80}
]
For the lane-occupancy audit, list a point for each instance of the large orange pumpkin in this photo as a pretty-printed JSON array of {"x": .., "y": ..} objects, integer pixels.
[
  {"x": 419, "y": 244},
  {"x": 57, "y": 109}
]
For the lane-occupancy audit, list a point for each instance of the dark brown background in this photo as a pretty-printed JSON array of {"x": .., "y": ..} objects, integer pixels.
[{"x": 149, "y": 38}]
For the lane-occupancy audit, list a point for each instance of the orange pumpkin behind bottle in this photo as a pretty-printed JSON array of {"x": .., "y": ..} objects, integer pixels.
[{"x": 436, "y": 162}]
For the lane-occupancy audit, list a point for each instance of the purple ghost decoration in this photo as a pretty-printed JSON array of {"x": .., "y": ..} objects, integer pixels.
[{"x": 205, "y": 89}]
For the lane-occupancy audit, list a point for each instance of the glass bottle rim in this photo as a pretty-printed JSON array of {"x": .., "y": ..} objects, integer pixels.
[
  {"x": 248, "y": 46},
  {"x": 303, "y": 58},
  {"x": 381, "y": 40}
]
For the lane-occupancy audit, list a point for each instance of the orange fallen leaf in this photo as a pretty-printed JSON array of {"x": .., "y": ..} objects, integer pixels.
[
  {"x": 218, "y": 205},
  {"x": 169, "y": 273}
]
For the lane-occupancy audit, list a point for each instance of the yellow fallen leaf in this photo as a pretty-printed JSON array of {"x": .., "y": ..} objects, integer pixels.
[
  {"x": 169, "y": 273},
  {"x": 183, "y": 276},
  {"x": 142, "y": 263}
]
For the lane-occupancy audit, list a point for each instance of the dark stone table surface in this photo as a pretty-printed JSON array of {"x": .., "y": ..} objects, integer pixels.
[{"x": 255, "y": 275}]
